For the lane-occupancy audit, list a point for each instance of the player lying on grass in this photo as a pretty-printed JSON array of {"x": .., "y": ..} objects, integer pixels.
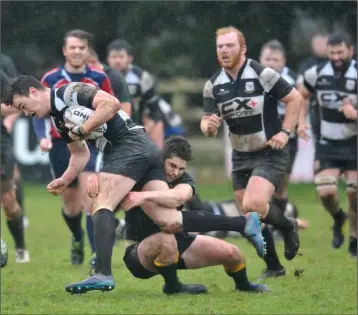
[{"x": 149, "y": 249}]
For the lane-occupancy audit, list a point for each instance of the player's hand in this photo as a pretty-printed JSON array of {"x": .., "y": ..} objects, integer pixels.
[
  {"x": 76, "y": 132},
  {"x": 278, "y": 141},
  {"x": 93, "y": 185},
  {"x": 214, "y": 123},
  {"x": 133, "y": 199},
  {"x": 57, "y": 186},
  {"x": 9, "y": 123},
  {"x": 302, "y": 130},
  {"x": 349, "y": 111},
  {"x": 45, "y": 144}
]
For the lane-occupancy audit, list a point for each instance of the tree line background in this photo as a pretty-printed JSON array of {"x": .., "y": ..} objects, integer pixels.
[{"x": 170, "y": 38}]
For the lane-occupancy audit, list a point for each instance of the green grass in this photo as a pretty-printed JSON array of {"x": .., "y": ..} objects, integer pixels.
[{"x": 327, "y": 286}]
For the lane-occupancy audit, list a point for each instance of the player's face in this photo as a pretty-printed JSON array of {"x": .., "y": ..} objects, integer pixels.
[
  {"x": 319, "y": 46},
  {"x": 272, "y": 59},
  {"x": 76, "y": 51},
  {"x": 32, "y": 105},
  {"x": 174, "y": 168},
  {"x": 228, "y": 50},
  {"x": 119, "y": 59},
  {"x": 339, "y": 55}
]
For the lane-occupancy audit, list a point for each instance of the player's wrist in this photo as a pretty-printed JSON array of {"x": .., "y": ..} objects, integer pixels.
[{"x": 286, "y": 132}]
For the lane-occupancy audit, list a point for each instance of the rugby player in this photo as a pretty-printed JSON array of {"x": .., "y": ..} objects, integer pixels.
[
  {"x": 145, "y": 101},
  {"x": 149, "y": 251},
  {"x": 335, "y": 84},
  {"x": 245, "y": 94},
  {"x": 12, "y": 209}
]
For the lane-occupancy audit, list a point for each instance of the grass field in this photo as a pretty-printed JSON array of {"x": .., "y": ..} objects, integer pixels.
[{"x": 328, "y": 284}]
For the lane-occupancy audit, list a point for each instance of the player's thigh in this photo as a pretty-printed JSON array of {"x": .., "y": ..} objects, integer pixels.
[
  {"x": 258, "y": 193},
  {"x": 112, "y": 189},
  {"x": 208, "y": 251}
]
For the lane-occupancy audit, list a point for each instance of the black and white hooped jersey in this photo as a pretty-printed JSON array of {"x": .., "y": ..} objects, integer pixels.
[
  {"x": 331, "y": 88},
  {"x": 141, "y": 88},
  {"x": 82, "y": 94},
  {"x": 248, "y": 105}
]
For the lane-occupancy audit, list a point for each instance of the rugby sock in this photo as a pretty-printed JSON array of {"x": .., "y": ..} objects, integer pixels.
[
  {"x": 339, "y": 215},
  {"x": 90, "y": 232},
  {"x": 169, "y": 273},
  {"x": 330, "y": 203},
  {"x": 16, "y": 228},
  {"x": 200, "y": 221},
  {"x": 20, "y": 193},
  {"x": 104, "y": 236},
  {"x": 276, "y": 218},
  {"x": 74, "y": 224},
  {"x": 239, "y": 275},
  {"x": 280, "y": 203},
  {"x": 271, "y": 259}
]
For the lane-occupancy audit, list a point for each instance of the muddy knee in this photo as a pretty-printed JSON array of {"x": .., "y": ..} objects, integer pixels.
[{"x": 326, "y": 186}]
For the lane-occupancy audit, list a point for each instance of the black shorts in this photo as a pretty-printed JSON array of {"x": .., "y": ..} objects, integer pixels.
[
  {"x": 131, "y": 258},
  {"x": 7, "y": 159},
  {"x": 267, "y": 163},
  {"x": 342, "y": 165},
  {"x": 60, "y": 157},
  {"x": 136, "y": 157},
  {"x": 293, "y": 146}
]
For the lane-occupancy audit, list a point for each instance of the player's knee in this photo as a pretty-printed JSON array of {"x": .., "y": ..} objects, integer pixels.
[
  {"x": 326, "y": 186},
  {"x": 254, "y": 205},
  {"x": 168, "y": 244},
  {"x": 10, "y": 205},
  {"x": 351, "y": 189},
  {"x": 233, "y": 254},
  {"x": 72, "y": 201}
]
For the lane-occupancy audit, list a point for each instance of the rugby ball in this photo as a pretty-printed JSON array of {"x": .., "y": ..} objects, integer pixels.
[{"x": 78, "y": 115}]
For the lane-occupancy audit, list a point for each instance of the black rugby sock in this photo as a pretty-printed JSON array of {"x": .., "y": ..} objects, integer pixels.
[
  {"x": 104, "y": 237},
  {"x": 169, "y": 273},
  {"x": 276, "y": 218},
  {"x": 20, "y": 193},
  {"x": 74, "y": 224},
  {"x": 16, "y": 228},
  {"x": 271, "y": 259},
  {"x": 239, "y": 276},
  {"x": 90, "y": 232},
  {"x": 200, "y": 221}
]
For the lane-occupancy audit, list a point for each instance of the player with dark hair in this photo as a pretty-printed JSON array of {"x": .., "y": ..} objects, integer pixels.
[
  {"x": 132, "y": 161},
  {"x": 141, "y": 85},
  {"x": 245, "y": 94},
  {"x": 147, "y": 245},
  {"x": 12, "y": 209},
  {"x": 335, "y": 85},
  {"x": 76, "y": 48}
]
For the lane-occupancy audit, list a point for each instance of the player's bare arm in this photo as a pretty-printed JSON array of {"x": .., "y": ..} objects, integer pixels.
[
  {"x": 105, "y": 106},
  {"x": 302, "y": 124},
  {"x": 79, "y": 157},
  {"x": 171, "y": 198},
  {"x": 293, "y": 101}
]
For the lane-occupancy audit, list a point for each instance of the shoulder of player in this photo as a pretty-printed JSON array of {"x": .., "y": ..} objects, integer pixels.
[
  {"x": 52, "y": 75},
  {"x": 97, "y": 75},
  {"x": 138, "y": 71}
]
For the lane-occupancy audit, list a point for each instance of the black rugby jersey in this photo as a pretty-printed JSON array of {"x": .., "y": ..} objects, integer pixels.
[
  {"x": 139, "y": 225},
  {"x": 77, "y": 93},
  {"x": 248, "y": 105},
  {"x": 141, "y": 88}
]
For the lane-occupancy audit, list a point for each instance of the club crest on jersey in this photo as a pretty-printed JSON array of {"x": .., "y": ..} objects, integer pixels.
[
  {"x": 350, "y": 85},
  {"x": 249, "y": 87}
]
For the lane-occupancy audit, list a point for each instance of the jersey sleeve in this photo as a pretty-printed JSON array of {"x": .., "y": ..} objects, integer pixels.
[
  {"x": 149, "y": 97},
  {"x": 274, "y": 84},
  {"x": 210, "y": 105},
  {"x": 189, "y": 180},
  {"x": 310, "y": 78},
  {"x": 77, "y": 94}
]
